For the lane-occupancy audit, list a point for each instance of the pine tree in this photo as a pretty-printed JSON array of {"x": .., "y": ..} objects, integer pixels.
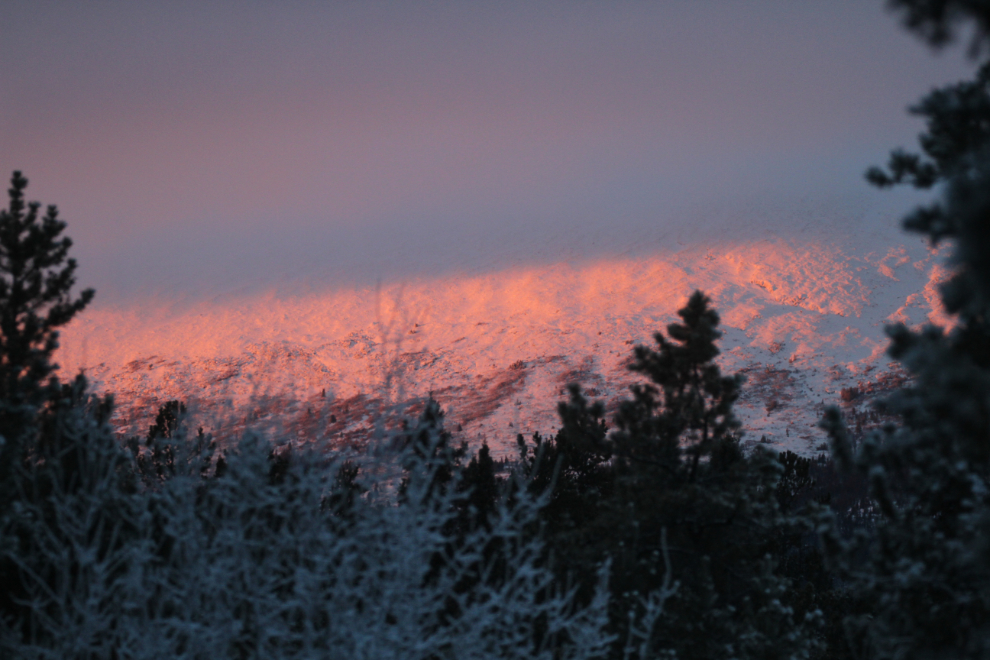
[
  {"x": 160, "y": 460},
  {"x": 927, "y": 565},
  {"x": 481, "y": 484},
  {"x": 36, "y": 455},
  {"x": 686, "y": 408},
  {"x": 58, "y": 460},
  {"x": 572, "y": 467},
  {"x": 670, "y": 497},
  {"x": 680, "y": 471},
  {"x": 36, "y": 279},
  {"x": 572, "y": 471}
]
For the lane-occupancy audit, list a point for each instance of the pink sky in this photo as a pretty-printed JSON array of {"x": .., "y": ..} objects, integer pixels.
[{"x": 199, "y": 149}]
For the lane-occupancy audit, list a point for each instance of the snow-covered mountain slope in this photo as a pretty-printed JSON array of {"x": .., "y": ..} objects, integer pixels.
[{"x": 803, "y": 319}]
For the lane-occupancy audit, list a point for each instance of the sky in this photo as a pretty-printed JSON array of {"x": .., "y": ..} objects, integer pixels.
[{"x": 200, "y": 150}]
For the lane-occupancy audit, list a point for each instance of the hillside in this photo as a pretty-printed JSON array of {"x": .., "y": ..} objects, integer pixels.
[{"x": 803, "y": 319}]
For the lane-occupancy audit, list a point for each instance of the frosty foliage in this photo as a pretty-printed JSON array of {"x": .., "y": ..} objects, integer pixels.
[{"x": 260, "y": 562}]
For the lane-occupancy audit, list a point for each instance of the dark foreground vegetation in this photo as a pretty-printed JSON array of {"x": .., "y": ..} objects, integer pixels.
[{"x": 644, "y": 536}]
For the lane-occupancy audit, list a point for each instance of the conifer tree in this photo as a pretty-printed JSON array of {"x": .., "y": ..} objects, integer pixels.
[
  {"x": 437, "y": 461},
  {"x": 686, "y": 408},
  {"x": 927, "y": 567},
  {"x": 572, "y": 471},
  {"x": 669, "y": 495},
  {"x": 482, "y": 487},
  {"x": 160, "y": 461},
  {"x": 44, "y": 453},
  {"x": 572, "y": 466},
  {"x": 680, "y": 471},
  {"x": 36, "y": 279}
]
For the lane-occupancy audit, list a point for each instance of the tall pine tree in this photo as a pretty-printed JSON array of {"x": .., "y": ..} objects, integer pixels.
[
  {"x": 54, "y": 439},
  {"x": 670, "y": 495},
  {"x": 36, "y": 280},
  {"x": 681, "y": 474}
]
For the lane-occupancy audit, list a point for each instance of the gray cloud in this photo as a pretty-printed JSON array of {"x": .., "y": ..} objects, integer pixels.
[{"x": 200, "y": 148}]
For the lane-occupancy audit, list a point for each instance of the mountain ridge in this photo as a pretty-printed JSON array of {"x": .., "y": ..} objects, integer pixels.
[{"x": 802, "y": 319}]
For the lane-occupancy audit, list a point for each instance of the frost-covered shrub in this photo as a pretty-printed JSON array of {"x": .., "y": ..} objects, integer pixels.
[
  {"x": 71, "y": 533},
  {"x": 263, "y": 563}
]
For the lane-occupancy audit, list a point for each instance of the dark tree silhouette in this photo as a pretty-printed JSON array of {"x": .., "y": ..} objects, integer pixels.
[
  {"x": 481, "y": 484},
  {"x": 159, "y": 463},
  {"x": 36, "y": 279},
  {"x": 572, "y": 467},
  {"x": 927, "y": 568},
  {"x": 670, "y": 494},
  {"x": 681, "y": 473},
  {"x": 435, "y": 461}
]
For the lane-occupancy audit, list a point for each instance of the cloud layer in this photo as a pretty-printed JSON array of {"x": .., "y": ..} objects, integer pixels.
[{"x": 202, "y": 150}]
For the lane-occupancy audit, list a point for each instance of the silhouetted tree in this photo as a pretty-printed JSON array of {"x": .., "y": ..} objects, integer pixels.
[
  {"x": 481, "y": 484},
  {"x": 670, "y": 494},
  {"x": 38, "y": 457},
  {"x": 572, "y": 471},
  {"x": 572, "y": 466},
  {"x": 926, "y": 567},
  {"x": 159, "y": 462},
  {"x": 680, "y": 470},
  {"x": 36, "y": 279}
]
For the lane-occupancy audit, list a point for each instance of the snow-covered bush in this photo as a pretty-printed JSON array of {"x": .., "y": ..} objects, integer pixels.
[
  {"x": 70, "y": 536},
  {"x": 267, "y": 563}
]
